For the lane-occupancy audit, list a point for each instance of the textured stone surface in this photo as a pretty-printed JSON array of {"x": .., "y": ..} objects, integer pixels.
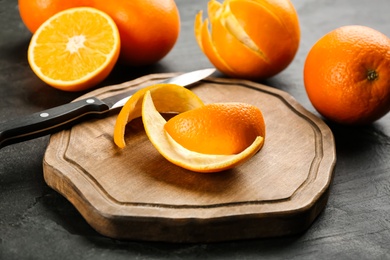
[{"x": 38, "y": 223}]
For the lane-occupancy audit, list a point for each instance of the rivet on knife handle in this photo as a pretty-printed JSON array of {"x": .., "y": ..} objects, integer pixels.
[{"x": 49, "y": 121}]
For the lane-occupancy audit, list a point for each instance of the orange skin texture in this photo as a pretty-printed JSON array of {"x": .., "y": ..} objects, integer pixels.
[
  {"x": 218, "y": 128},
  {"x": 35, "y": 12},
  {"x": 238, "y": 123},
  {"x": 148, "y": 28},
  {"x": 347, "y": 75}
]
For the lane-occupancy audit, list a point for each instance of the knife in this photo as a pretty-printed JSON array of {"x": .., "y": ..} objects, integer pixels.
[{"x": 58, "y": 118}]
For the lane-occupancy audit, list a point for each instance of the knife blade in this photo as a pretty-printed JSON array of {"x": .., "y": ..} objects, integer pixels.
[{"x": 58, "y": 118}]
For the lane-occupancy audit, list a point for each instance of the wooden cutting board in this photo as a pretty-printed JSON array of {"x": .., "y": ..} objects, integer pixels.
[{"x": 135, "y": 193}]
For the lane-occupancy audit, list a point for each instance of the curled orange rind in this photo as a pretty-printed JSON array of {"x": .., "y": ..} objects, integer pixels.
[
  {"x": 177, "y": 154},
  {"x": 167, "y": 97},
  {"x": 149, "y": 102}
]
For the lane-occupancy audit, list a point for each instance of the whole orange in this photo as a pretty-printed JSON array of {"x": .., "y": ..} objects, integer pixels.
[
  {"x": 347, "y": 75},
  {"x": 148, "y": 28},
  {"x": 249, "y": 39},
  {"x": 35, "y": 12}
]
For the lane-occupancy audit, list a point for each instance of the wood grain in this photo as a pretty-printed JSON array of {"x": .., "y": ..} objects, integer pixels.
[{"x": 135, "y": 193}]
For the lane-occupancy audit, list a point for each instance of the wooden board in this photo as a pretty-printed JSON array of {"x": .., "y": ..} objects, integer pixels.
[{"x": 135, "y": 193}]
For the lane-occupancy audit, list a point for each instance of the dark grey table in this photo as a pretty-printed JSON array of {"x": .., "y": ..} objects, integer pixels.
[{"x": 38, "y": 223}]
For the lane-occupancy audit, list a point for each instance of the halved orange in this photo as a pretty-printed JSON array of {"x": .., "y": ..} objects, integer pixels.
[{"x": 75, "y": 49}]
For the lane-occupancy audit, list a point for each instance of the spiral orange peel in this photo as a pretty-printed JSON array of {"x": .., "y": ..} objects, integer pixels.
[{"x": 149, "y": 103}]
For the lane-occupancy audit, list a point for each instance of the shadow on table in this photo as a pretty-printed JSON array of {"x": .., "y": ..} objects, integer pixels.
[{"x": 354, "y": 140}]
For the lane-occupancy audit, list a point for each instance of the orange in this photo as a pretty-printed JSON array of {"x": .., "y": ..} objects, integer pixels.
[
  {"x": 347, "y": 75},
  {"x": 173, "y": 98},
  {"x": 75, "y": 49},
  {"x": 219, "y": 128},
  {"x": 249, "y": 39},
  {"x": 35, "y": 12},
  {"x": 148, "y": 28}
]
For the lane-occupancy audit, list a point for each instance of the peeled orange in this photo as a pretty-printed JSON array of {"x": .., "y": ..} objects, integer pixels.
[
  {"x": 231, "y": 145},
  {"x": 75, "y": 49},
  {"x": 249, "y": 39}
]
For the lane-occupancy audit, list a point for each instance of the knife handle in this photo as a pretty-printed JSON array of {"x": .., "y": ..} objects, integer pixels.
[{"x": 49, "y": 121}]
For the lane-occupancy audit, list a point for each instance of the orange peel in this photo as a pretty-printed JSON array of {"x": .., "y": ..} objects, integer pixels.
[
  {"x": 178, "y": 155},
  {"x": 217, "y": 128},
  {"x": 253, "y": 39},
  {"x": 167, "y": 98},
  {"x": 163, "y": 98}
]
